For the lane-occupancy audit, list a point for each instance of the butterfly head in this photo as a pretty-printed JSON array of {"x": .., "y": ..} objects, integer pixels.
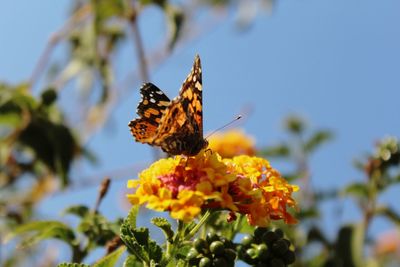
[{"x": 197, "y": 147}]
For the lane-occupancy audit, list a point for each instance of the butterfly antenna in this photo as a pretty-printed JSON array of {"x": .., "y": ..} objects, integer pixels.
[{"x": 224, "y": 126}]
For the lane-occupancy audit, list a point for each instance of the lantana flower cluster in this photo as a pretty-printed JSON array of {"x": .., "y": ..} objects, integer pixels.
[
  {"x": 185, "y": 186},
  {"x": 232, "y": 143}
]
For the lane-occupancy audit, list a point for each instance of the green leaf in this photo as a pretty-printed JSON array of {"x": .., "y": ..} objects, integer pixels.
[
  {"x": 350, "y": 244},
  {"x": 176, "y": 19},
  {"x": 67, "y": 264},
  {"x": 165, "y": 227},
  {"x": 106, "y": 9},
  {"x": 53, "y": 144},
  {"x": 132, "y": 216},
  {"x": 131, "y": 261},
  {"x": 16, "y": 99},
  {"x": 317, "y": 139},
  {"x": 160, "y": 3},
  {"x": 78, "y": 210},
  {"x": 111, "y": 259},
  {"x": 281, "y": 150},
  {"x": 389, "y": 213},
  {"x": 43, "y": 230},
  {"x": 138, "y": 240},
  {"x": 11, "y": 119},
  {"x": 315, "y": 234},
  {"x": 48, "y": 97},
  {"x": 98, "y": 229},
  {"x": 308, "y": 213},
  {"x": 295, "y": 124},
  {"x": 356, "y": 190}
]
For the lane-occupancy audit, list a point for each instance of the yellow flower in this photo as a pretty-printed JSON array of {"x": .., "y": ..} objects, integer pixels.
[
  {"x": 185, "y": 186},
  {"x": 232, "y": 143}
]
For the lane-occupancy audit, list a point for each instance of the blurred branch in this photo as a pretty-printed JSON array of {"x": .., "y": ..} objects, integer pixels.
[
  {"x": 154, "y": 59},
  {"x": 144, "y": 72},
  {"x": 80, "y": 15}
]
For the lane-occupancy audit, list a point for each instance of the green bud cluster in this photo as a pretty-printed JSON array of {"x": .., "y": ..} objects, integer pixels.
[
  {"x": 266, "y": 249},
  {"x": 213, "y": 251}
]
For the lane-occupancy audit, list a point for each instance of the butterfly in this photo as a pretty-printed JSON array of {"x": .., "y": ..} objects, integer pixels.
[{"x": 176, "y": 126}]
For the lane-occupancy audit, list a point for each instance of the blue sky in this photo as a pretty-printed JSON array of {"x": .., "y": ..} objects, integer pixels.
[{"x": 334, "y": 62}]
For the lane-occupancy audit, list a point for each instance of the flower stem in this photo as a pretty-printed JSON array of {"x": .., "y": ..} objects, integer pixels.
[{"x": 202, "y": 220}]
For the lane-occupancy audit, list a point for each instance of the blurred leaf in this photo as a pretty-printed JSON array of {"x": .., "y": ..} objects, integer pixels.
[
  {"x": 176, "y": 18},
  {"x": 98, "y": 229},
  {"x": 317, "y": 139},
  {"x": 309, "y": 213},
  {"x": 326, "y": 194},
  {"x": 356, "y": 189},
  {"x": 67, "y": 264},
  {"x": 105, "y": 9},
  {"x": 52, "y": 143},
  {"x": 281, "y": 150},
  {"x": 111, "y": 259},
  {"x": 315, "y": 234},
  {"x": 49, "y": 96},
  {"x": 389, "y": 213},
  {"x": 43, "y": 230},
  {"x": 160, "y": 3},
  {"x": 78, "y": 210},
  {"x": 16, "y": 99},
  {"x": 165, "y": 227},
  {"x": 131, "y": 261},
  {"x": 350, "y": 245},
  {"x": 11, "y": 119},
  {"x": 294, "y": 124}
]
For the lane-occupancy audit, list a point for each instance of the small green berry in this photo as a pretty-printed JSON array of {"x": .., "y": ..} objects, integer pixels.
[
  {"x": 286, "y": 241},
  {"x": 200, "y": 244},
  {"x": 220, "y": 262},
  {"x": 192, "y": 254},
  {"x": 217, "y": 248},
  {"x": 289, "y": 257},
  {"x": 247, "y": 240},
  {"x": 277, "y": 263},
  {"x": 252, "y": 253},
  {"x": 205, "y": 262},
  {"x": 259, "y": 231},
  {"x": 279, "y": 232},
  {"x": 262, "y": 252},
  {"x": 280, "y": 247},
  {"x": 269, "y": 238},
  {"x": 211, "y": 237},
  {"x": 229, "y": 254}
]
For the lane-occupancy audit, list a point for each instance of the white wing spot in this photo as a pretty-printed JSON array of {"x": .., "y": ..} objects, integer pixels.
[
  {"x": 152, "y": 100},
  {"x": 159, "y": 92}
]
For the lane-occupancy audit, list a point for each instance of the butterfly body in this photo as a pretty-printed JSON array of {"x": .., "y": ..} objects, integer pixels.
[{"x": 176, "y": 126}]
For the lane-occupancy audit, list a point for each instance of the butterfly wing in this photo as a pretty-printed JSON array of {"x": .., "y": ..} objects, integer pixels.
[
  {"x": 150, "y": 109},
  {"x": 181, "y": 127}
]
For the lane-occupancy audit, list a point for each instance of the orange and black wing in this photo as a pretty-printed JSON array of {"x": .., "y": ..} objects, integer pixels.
[
  {"x": 150, "y": 109},
  {"x": 181, "y": 127}
]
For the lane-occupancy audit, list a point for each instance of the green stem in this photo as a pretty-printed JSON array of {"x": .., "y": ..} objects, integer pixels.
[
  {"x": 235, "y": 227},
  {"x": 202, "y": 220}
]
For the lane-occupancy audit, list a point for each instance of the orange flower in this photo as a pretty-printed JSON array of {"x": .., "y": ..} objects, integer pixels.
[
  {"x": 186, "y": 185},
  {"x": 232, "y": 143},
  {"x": 388, "y": 243}
]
